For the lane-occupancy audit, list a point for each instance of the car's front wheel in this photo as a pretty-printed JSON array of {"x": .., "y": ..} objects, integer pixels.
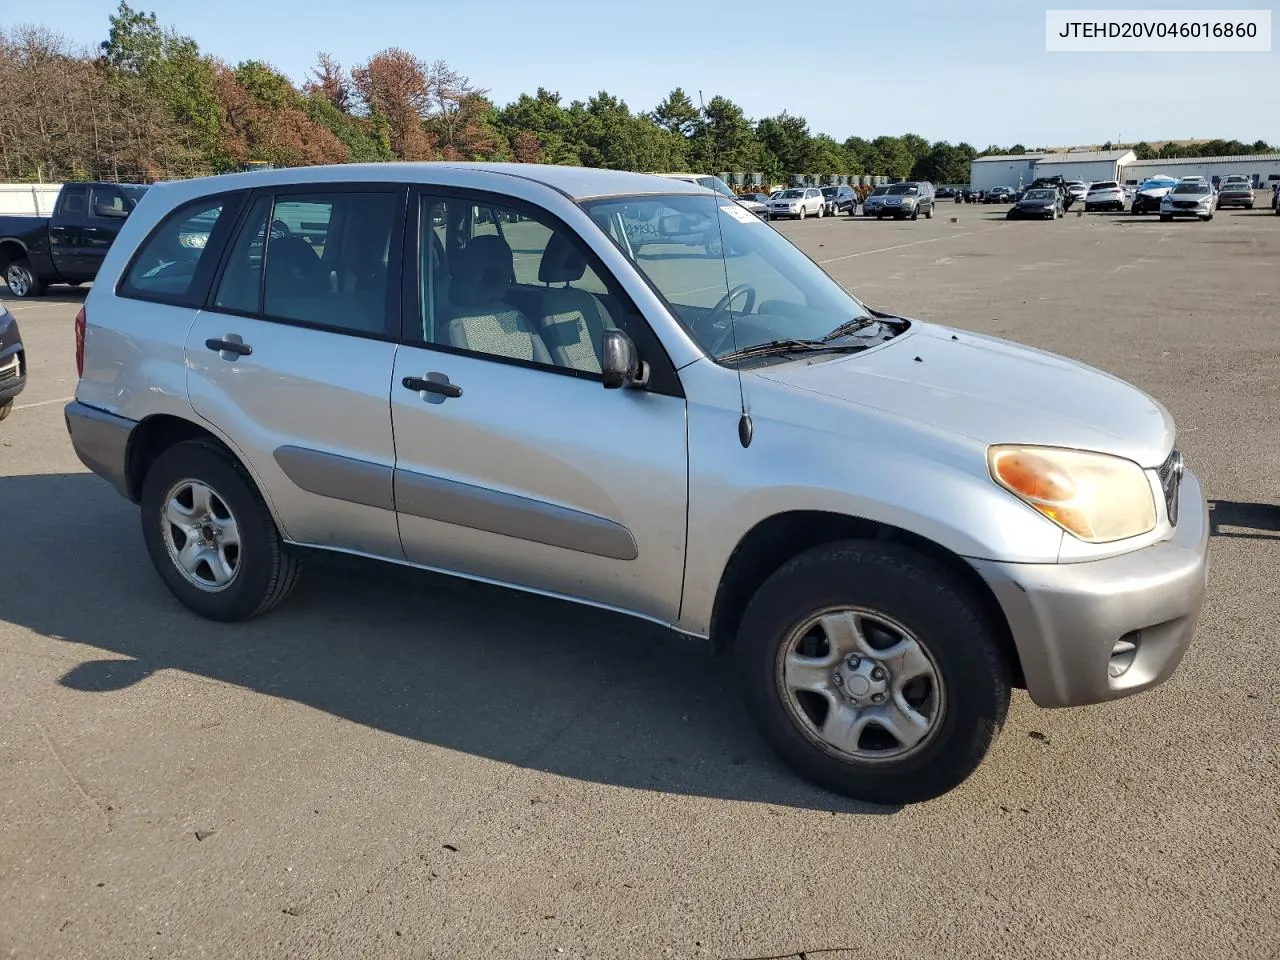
[
  {"x": 872, "y": 671},
  {"x": 211, "y": 536},
  {"x": 6, "y": 408}
]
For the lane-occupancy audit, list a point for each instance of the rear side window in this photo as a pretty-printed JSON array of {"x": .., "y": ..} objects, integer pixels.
[
  {"x": 175, "y": 262},
  {"x": 72, "y": 203},
  {"x": 320, "y": 260}
]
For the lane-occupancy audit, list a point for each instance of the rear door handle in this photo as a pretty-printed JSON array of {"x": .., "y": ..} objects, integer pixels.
[
  {"x": 229, "y": 348},
  {"x": 436, "y": 384}
]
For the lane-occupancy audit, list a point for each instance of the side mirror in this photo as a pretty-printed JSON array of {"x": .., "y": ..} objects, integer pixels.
[
  {"x": 622, "y": 366},
  {"x": 106, "y": 210}
]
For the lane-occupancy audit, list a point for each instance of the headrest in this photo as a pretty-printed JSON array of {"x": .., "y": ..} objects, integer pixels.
[
  {"x": 562, "y": 262},
  {"x": 481, "y": 271}
]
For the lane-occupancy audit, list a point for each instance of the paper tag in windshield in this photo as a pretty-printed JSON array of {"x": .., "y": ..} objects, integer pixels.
[{"x": 738, "y": 213}]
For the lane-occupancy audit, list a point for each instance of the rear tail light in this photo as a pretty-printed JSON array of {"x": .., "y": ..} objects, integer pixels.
[{"x": 80, "y": 343}]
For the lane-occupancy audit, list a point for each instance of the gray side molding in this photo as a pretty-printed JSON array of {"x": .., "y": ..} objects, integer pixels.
[
  {"x": 467, "y": 505},
  {"x": 342, "y": 478}
]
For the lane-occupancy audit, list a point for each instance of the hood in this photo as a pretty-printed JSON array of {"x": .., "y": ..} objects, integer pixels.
[
  {"x": 1037, "y": 202},
  {"x": 1156, "y": 192},
  {"x": 992, "y": 391}
]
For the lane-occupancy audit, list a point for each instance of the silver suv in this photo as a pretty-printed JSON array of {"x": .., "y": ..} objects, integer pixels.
[{"x": 532, "y": 376}]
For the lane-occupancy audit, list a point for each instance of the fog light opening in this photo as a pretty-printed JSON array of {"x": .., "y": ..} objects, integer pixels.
[{"x": 1123, "y": 653}]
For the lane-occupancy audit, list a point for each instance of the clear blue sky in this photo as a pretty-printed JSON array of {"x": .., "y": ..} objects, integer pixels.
[{"x": 975, "y": 71}]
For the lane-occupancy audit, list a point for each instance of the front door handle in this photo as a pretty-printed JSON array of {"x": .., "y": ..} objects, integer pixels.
[
  {"x": 436, "y": 384},
  {"x": 229, "y": 348}
]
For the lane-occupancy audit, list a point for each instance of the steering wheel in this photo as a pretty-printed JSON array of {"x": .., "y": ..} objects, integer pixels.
[{"x": 718, "y": 320}]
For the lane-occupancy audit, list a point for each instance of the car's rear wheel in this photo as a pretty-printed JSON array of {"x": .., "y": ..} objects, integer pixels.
[
  {"x": 1166, "y": 217},
  {"x": 210, "y": 535},
  {"x": 22, "y": 280},
  {"x": 871, "y": 671}
]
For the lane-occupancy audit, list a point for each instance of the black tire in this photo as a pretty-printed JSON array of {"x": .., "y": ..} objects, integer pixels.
[
  {"x": 6, "y": 408},
  {"x": 267, "y": 570},
  {"x": 915, "y": 213},
  {"x": 929, "y": 213},
  {"x": 925, "y": 598},
  {"x": 1165, "y": 217},
  {"x": 21, "y": 279}
]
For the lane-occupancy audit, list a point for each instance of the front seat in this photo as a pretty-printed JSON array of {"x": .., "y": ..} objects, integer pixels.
[
  {"x": 480, "y": 319},
  {"x": 573, "y": 321}
]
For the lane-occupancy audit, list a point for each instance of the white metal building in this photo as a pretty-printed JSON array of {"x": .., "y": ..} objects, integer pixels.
[
  {"x": 1262, "y": 168},
  {"x": 1002, "y": 170},
  {"x": 1087, "y": 165}
]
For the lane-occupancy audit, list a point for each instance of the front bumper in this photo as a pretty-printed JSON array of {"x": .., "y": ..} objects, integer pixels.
[
  {"x": 1040, "y": 213},
  {"x": 1186, "y": 211},
  {"x": 101, "y": 441},
  {"x": 13, "y": 372},
  {"x": 1066, "y": 617}
]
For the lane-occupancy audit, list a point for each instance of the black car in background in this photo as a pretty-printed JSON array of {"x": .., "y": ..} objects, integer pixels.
[
  {"x": 999, "y": 195},
  {"x": 69, "y": 246},
  {"x": 13, "y": 362},
  {"x": 1044, "y": 203}
]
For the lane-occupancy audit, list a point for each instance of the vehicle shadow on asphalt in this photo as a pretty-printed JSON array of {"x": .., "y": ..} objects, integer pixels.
[
  {"x": 1246, "y": 521},
  {"x": 54, "y": 294},
  {"x": 524, "y": 680}
]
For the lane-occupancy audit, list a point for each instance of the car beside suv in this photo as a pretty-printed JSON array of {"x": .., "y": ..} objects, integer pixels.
[
  {"x": 797, "y": 203},
  {"x": 887, "y": 523},
  {"x": 1104, "y": 195},
  {"x": 840, "y": 199}
]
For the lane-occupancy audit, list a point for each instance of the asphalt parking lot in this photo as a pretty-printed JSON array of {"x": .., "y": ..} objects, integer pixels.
[{"x": 403, "y": 765}]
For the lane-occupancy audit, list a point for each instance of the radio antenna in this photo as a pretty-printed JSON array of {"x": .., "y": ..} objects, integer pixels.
[{"x": 745, "y": 428}]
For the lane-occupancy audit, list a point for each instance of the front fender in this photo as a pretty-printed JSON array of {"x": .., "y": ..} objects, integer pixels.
[{"x": 874, "y": 467}]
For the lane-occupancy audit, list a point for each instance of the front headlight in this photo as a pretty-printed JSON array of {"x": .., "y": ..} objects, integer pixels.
[{"x": 1096, "y": 497}]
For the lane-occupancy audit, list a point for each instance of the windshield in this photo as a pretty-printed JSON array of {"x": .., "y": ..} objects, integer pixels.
[
  {"x": 878, "y": 192},
  {"x": 1040, "y": 194},
  {"x": 773, "y": 291},
  {"x": 1156, "y": 183},
  {"x": 1193, "y": 188},
  {"x": 791, "y": 194},
  {"x": 903, "y": 190},
  {"x": 828, "y": 191}
]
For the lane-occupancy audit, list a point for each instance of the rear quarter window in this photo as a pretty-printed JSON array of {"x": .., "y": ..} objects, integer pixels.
[{"x": 176, "y": 262}]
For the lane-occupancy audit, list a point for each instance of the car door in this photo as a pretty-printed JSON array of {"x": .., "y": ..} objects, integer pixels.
[
  {"x": 66, "y": 234},
  {"x": 513, "y": 462},
  {"x": 106, "y": 213},
  {"x": 290, "y": 360}
]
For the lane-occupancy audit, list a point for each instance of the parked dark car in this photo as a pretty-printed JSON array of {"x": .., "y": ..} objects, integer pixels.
[
  {"x": 1040, "y": 203},
  {"x": 1059, "y": 183},
  {"x": 1235, "y": 194},
  {"x": 945, "y": 193},
  {"x": 840, "y": 199},
  {"x": 999, "y": 195},
  {"x": 69, "y": 246},
  {"x": 13, "y": 362}
]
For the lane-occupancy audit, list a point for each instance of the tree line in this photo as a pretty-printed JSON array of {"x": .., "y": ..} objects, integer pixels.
[{"x": 148, "y": 104}]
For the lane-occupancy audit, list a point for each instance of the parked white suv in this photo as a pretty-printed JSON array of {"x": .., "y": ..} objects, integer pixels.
[
  {"x": 797, "y": 202},
  {"x": 888, "y": 522},
  {"x": 1104, "y": 195}
]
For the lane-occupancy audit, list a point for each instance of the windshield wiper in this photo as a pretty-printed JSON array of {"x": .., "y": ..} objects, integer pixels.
[
  {"x": 850, "y": 326},
  {"x": 778, "y": 347}
]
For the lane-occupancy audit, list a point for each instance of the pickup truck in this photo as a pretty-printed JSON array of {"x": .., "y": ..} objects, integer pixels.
[{"x": 69, "y": 246}]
